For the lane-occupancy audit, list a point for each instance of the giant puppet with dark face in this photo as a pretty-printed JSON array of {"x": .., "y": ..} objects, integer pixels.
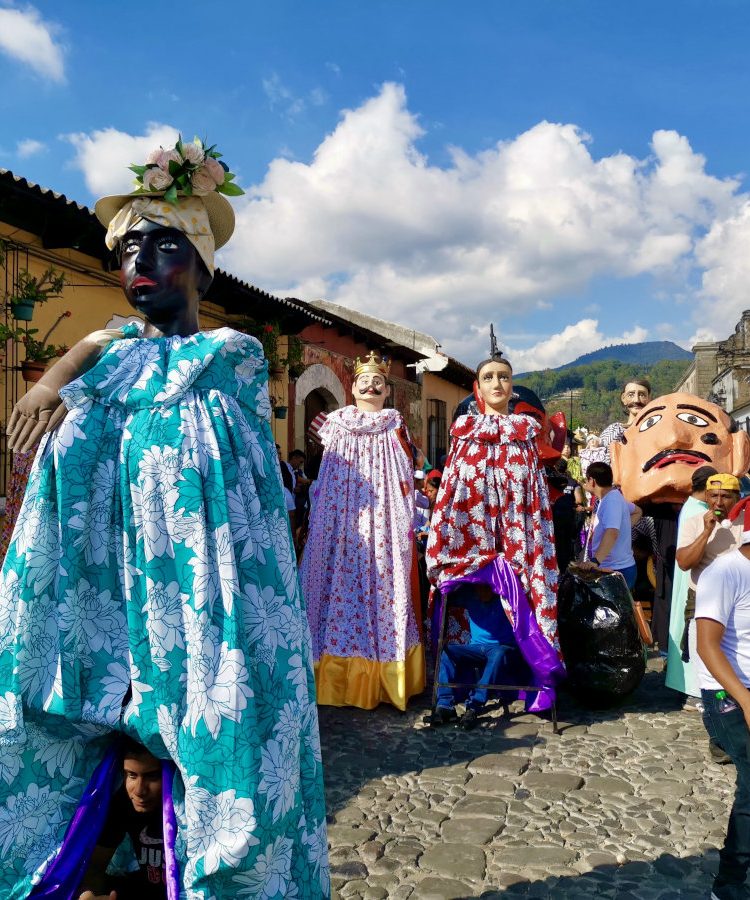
[
  {"x": 157, "y": 455},
  {"x": 672, "y": 437}
]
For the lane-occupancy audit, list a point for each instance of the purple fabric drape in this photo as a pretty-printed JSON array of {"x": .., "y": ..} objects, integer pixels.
[
  {"x": 546, "y": 666},
  {"x": 63, "y": 876},
  {"x": 61, "y": 880},
  {"x": 171, "y": 866}
]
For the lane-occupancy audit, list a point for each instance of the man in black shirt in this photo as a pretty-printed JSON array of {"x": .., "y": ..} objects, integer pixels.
[{"x": 136, "y": 810}]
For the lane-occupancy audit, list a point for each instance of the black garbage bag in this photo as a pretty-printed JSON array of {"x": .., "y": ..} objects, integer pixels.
[{"x": 602, "y": 648}]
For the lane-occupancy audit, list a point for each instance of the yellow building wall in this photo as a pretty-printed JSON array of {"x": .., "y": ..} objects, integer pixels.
[
  {"x": 278, "y": 390},
  {"x": 92, "y": 296},
  {"x": 436, "y": 388}
]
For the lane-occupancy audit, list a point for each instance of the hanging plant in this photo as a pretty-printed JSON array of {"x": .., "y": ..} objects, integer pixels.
[
  {"x": 268, "y": 334},
  {"x": 294, "y": 356},
  {"x": 32, "y": 289},
  {"x": 278, "y": 406}
]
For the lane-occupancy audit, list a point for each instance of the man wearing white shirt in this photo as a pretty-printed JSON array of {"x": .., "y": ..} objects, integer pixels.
[{"x": 723, "y": 618}]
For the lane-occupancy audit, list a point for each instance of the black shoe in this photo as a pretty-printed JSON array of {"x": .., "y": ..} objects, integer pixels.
[
  {"x": 443, "y": 715},
  {"x": 718, "y": 755},
  {"x": 469, "y": 720}
]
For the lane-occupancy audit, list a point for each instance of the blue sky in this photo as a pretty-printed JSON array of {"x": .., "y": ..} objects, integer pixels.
[{"x": 572, "y": 171}]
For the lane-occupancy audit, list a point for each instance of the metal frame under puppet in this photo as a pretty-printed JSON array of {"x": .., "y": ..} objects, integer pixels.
[
  {"x": 492, "y": 525},
  {"x": 150, "y": 585}
]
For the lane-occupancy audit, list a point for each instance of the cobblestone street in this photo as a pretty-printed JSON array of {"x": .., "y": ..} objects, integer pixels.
[{"x": 624, "y": 803}]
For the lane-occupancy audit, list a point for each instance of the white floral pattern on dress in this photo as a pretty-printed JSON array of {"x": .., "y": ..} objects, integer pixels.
[
  {"x": 151, "y": 566},
  {"x": 224, "y": 826}
]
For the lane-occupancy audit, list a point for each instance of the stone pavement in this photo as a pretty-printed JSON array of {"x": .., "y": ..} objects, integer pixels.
[{"x": 624, "y": 803}]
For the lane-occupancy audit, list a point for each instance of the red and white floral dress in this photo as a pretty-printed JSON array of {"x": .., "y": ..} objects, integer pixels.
[{"x": 492, "y": 502}]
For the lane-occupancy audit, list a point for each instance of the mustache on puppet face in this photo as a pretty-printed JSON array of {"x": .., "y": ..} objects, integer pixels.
[{"x": 371, "y": 389}]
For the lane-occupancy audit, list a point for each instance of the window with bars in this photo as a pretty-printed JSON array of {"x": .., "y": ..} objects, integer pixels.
[{"x": 437, "y": 431}]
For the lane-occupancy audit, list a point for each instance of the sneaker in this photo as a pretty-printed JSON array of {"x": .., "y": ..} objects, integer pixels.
[
  {"x": 718, "y": 755},
  {"x": 723, "y": 890},
  {"x": 693, "y": 704},
  {"x": 443, "y": 715},
  {"x": 469, "y": 720}
]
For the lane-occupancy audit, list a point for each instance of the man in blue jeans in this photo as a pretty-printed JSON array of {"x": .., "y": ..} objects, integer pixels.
[
  {"x": 492, "y": 657},
  {"x": 722, "y": 614}
]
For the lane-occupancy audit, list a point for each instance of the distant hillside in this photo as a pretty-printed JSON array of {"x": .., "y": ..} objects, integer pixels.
[
  {"x": 643, "y": 354},
  {"x": 593, "y": 389}
]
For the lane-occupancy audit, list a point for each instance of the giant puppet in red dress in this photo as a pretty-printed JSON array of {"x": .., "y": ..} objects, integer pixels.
[{"x": 493, "y": 521}]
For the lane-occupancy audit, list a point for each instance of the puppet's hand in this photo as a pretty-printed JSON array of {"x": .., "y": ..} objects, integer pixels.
[
  {"x": 38, "y": 411},
  {"x": 90, "y": 895}
]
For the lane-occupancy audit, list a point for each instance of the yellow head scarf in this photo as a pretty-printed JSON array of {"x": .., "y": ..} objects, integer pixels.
[
  {"x": 188, "y": 216},
  {"x": 723, "y": 481}
]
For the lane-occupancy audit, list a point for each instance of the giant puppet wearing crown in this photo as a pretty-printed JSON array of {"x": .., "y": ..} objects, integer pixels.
[{"x": 358, "y": 563}]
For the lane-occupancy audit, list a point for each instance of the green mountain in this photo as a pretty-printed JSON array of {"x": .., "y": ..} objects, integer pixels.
[
  {"x": 591, "y": 390},
  {"x": 644, "y": 354}
]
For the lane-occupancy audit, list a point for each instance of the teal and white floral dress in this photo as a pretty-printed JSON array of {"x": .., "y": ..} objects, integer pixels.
[{"x": 150, "y": 586}]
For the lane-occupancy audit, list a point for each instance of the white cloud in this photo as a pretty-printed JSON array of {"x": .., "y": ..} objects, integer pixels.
[
  {"x": 104, "y": 156},
  {"x": 723, "y": 254},
  {"x": 370, "y": 223},
  {"x": 29, "y": 147},
  {"x": 573, "y": 341},
  {"x": 25, "y": 36}
]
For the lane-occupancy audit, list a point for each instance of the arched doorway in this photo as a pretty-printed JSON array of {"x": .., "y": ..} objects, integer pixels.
[
  {"x": 317, "y": 390},
  {"x": 317, "y": 401}
]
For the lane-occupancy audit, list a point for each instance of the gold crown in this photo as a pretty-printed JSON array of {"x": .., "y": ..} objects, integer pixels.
[{"x": 372, "y": 365}]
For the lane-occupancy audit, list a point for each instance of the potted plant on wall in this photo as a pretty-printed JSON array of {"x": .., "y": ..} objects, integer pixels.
[
  {"x": 269, "y": 337},
  {"x": 294, "y": 357},
  {"x": 32, "y": 289},
  {"x": 279, "y": 409},
  {"x": 39, "y": 352},
  {"x": 6, "y": 333},
  {"x": 268, "y": 334}
]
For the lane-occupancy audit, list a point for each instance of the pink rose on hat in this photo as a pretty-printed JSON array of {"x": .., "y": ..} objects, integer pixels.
[
  {"x": 202, "y": 182},
  {"x": 184, "y": 170},
  {"x": 215, "y": 170},
  {"x": 168, "y": 156},
  {"x": 193, "y": 153},
  {"x": 156, "y": 179}
]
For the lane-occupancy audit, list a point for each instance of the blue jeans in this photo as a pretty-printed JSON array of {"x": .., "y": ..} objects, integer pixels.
[
  {"x": 462, "y": 662},
  {"x": 629, "y": 574},
  {"x": 729, "y": 730}
]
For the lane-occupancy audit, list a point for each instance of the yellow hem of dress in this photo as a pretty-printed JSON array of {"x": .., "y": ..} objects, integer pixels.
[{"x": 354, "y": 681}]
